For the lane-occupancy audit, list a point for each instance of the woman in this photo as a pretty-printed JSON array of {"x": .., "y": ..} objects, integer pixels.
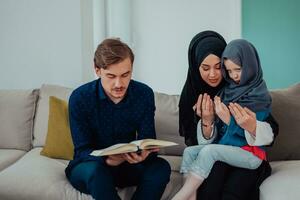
[{"x": 203, "y": 82}]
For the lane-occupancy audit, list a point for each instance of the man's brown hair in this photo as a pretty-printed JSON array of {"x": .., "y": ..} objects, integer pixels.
[{"x": 112, "y": 51}]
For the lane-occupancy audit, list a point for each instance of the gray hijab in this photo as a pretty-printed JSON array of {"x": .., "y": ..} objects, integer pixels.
[{"x": 252, "y": 91}]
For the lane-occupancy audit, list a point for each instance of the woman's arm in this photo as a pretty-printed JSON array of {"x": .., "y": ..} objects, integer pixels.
[
  {"x": 205, "y": 127},
  {"x": 274, "y": 125},
  {"x": 207, "y": 138}
]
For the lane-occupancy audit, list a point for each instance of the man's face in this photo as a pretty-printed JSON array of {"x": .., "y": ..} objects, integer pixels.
[{"x": 115, "y": 79}]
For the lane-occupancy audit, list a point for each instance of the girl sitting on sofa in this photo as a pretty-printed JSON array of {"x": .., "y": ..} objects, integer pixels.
[{"x": 245, "y": 86}]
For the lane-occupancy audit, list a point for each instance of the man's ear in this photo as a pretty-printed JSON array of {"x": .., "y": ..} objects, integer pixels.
[{"x": 97, "y": 71}]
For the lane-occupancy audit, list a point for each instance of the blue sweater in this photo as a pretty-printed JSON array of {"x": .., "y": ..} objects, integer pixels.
[{"x": 96, "y": 122}]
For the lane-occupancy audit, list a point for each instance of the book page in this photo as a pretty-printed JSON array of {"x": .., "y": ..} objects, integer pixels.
[
  {"x": 133, "y": 146},
  {"x": 137, "y": 142},
  {"x": 115, "y": 149},
  {"x": 153, "y": 143}
]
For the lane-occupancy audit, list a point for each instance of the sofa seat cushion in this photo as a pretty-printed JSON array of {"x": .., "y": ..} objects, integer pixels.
[
  {"x": 9, "y": 156},
  {"x": 174, "y": 161},
  {"x": 283, "y": 183},
  {"x": 37, "y": 177}
]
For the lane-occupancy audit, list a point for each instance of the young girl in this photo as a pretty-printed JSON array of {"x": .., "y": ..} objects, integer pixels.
[{"x": 242, "y": 71}]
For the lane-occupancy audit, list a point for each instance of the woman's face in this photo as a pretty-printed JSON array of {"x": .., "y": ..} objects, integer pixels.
[{"x": 210, "y": 70}]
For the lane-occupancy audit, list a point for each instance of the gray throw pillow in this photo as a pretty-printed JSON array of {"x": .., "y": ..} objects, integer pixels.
[{"x": 17, "y": 109}]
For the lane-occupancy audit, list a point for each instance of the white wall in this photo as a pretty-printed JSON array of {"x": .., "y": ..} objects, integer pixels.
[
  {"x": 52, "y": 41},
  {"x": 162, "y": 30},
  {"x": 41, "y": 42}
]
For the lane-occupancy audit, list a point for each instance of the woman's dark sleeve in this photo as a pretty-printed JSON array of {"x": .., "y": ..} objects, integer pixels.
[{"x": 274, "y": 125}]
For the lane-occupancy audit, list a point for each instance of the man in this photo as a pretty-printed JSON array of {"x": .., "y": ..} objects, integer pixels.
[{"x": 114, "y": 109}]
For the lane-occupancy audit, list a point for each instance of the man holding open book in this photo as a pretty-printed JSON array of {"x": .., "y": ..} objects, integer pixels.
[{"x": 114, "y": 109}]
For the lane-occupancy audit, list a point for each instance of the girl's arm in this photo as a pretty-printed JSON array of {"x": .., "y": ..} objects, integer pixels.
[
  {"x": 266, "y": 132},
  {"x": 257, "y": 132},
  {"x": 263, "y": 135}
]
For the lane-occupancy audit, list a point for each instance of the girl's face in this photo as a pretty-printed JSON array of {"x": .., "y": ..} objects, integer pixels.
[
  {"x": 234, "y": 70},
  {"x": 210, "y": 70}
]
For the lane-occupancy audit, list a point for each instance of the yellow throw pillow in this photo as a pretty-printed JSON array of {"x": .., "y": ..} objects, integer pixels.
[{"x": 59, "y": 142}]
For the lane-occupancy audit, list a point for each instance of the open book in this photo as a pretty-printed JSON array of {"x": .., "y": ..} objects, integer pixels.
[{"x": 133, "y": 146}]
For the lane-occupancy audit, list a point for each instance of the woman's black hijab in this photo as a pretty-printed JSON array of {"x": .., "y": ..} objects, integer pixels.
[{"x": 203, "y": 44}]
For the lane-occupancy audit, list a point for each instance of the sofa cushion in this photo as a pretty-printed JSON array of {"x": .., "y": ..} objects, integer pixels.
[
  {"x": 42, "y": 112},
  {"x": 42, "y": 178},
  {"x": 50, "y": 183},
  {"x": 9, "y": 156},
  {"x": 174, "y": 185},
  {"x": 17, "y": 108},
  {"x": 283, "y": 183},
  {"x": 166, "y": 122},
  {"x": 285, "y": 108},
  {"x": 59, "y": 142},
  {"x": 174, "y": 161}
]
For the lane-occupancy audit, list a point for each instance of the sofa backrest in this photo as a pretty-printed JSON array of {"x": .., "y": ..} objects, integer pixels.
[
  {"x": 17, "y": 108},
  {"x": 286, "y": 110},
  {"x": 166, "y": 117},
  {"x": 166, "y": 122}
]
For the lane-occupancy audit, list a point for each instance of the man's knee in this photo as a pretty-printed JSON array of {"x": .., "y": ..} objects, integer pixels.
[
  {"x": 93, "y": 168},
  {"x": 159, "y": 171},
  {"x": 85, "y": 174},
  {"x": 165, "y": 168}
]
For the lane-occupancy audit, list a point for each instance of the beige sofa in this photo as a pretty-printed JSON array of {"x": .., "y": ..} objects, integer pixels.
[{"x": 27, "y": 175}]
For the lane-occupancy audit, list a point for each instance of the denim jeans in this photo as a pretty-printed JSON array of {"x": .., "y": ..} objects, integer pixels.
[
  {"x": 100, "y": 180},
  {"x": 201, "y": 158}
]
